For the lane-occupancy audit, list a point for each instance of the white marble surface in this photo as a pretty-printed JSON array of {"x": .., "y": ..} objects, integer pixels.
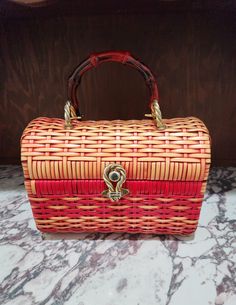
[{"x": 118, "y": 269}]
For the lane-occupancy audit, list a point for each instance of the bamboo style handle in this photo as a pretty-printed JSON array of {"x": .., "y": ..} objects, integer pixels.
[{"x": 72, "y": 106}]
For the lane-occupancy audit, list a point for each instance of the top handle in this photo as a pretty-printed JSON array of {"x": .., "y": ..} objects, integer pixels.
[{"x": 72, "y": 107}]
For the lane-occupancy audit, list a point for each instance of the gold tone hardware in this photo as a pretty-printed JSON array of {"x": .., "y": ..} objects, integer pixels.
[
  {"x": 114, "y": 173},
  {"x": 156, "y": 115},
  {"x": 69, "y": 114}
]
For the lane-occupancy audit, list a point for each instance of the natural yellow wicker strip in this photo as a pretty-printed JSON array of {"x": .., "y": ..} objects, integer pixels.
[
  {"x": 151, "y": 159},
  {"x": 75, "y": 198},
  {"x": 32, "y": 188},
  {"x": 34, "y": 170},
  {"x": 102, "y": 155},
  {"x": 32, "y": 145},
  {"x": 195, "y": 199},
  {"x": 163, "y": 145},
  {"x": 38, "y": 199},
  {"x": 69, "y": 169},
  {"x": 132, "y": 220},
  {"x": 186, "y": 160},
  {"x": 44, "y": 158},
  {"x": 179, "y": 208},
  {"x": 188, "y": 172},
  {"x": 87, "y": 207},
  {"x": 59, "y": 218},
  {"x": 40, "y": 221},
  {"x": 153, "y": 170},
  {"x": 167, "y": 169},
  {"x": 57, "y": 207},
  {"x": 119, "y": 159},
  {"x": 49, "y": 149},
  {"x": 81, "y": 159},
  {"x": 149, "y": 207}
]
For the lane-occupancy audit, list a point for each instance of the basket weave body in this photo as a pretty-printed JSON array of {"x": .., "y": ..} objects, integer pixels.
[{"x": 166, "y": 174}]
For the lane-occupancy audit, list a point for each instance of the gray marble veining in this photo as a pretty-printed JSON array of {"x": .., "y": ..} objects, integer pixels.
[{"x": 118, "y": 269}]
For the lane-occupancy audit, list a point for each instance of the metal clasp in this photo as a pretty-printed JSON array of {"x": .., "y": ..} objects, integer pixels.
[{"x": 114, "y": 176}]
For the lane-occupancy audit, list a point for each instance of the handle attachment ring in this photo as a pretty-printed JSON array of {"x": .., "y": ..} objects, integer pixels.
[
  {"x": 156, "y": 115},
  {"x": 69, "y": 115}
]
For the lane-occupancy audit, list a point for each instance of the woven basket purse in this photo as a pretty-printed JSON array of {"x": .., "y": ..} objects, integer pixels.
[{"x": 137, "y": 176}]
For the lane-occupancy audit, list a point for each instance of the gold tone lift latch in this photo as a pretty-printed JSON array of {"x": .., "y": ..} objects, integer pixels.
[{"x": 114, "y": 176}]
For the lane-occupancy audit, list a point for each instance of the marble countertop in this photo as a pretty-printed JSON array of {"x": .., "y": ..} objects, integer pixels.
[{"x": 115, "y": 269}]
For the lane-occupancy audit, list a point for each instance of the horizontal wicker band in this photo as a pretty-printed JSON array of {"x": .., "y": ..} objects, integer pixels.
[{"x": 66, "y": 188}]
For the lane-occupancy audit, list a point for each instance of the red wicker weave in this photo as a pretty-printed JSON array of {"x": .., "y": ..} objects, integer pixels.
[{"x": 68, "y": 167}]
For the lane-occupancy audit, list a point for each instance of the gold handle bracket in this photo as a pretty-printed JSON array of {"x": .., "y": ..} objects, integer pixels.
[
  {"x": 69, "y": 115},
  {"x": 156, "y": 115}
]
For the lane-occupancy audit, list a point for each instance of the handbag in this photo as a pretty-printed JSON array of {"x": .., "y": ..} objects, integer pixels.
[{"x": 135, "y": 176}]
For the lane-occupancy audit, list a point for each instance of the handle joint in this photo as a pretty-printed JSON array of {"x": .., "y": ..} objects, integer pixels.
[
  {"x": 156, "y": 115},
  {"x": 69, "y": 115}
]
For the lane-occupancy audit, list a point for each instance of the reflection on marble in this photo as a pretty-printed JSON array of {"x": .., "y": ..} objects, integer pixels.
[{"x": 118, "y": 269}]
